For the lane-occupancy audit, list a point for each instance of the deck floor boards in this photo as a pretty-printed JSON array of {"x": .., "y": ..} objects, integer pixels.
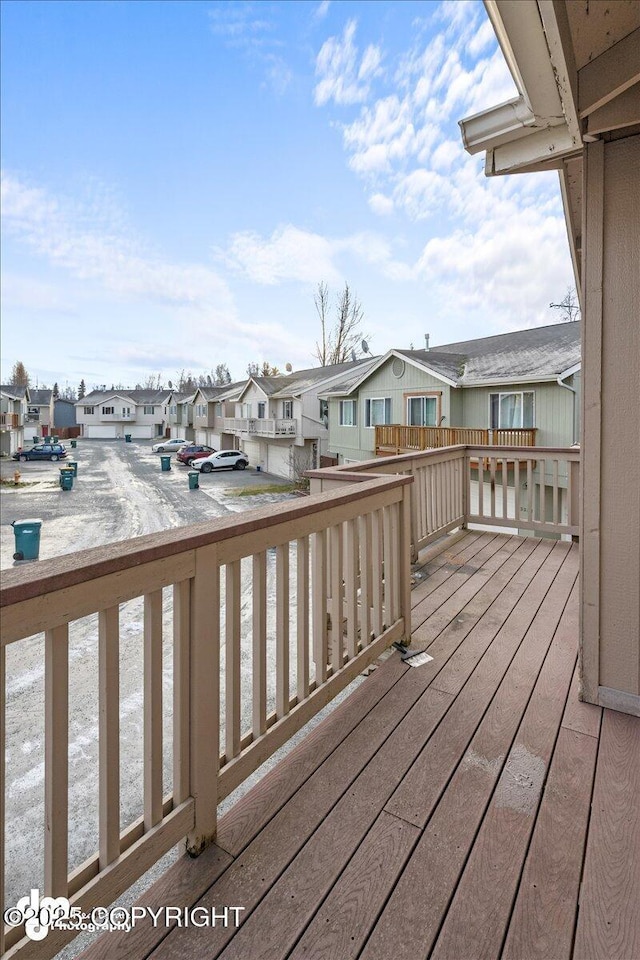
[{"x": 471, "y": 807}]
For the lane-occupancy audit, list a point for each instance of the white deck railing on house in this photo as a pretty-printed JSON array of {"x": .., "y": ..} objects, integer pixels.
[
  {"x": 271, "y": 614},
  {"x": 261, "y": 426},
  {"x": 307, "y": 593}
]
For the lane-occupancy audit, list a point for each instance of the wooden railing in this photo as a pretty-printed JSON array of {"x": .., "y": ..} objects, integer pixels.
[
  {"x": 336, "y": 565},
  {"x": 9, "y": 420},
  {"x": 396, "y": 438}
]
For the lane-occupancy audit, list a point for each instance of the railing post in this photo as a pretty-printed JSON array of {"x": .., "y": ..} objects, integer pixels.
[
  {"x": 573, "y": 512},
  {"x": 205, "y": 698},
  {"x": 404, "y": 559}
]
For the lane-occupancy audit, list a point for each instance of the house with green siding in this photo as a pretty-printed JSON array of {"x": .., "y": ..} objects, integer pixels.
[{"x": 525, "y": 379}]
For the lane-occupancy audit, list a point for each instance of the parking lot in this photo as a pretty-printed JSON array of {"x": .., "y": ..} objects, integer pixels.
[{"x": 120, "y": 492}]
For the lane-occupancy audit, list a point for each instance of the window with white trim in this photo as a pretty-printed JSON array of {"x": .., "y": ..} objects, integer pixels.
[
  {"x": 262, "y": 410},
  {"x": 287, "y": 409},
  {"x": 87, "y": 410},
  {"x": 377, "y": 411},
  {"x": 108, "y": 410},
  {"x": 149, "y": 410},
  {"x": 422, "y": 411},
  {"x": 347, "y": 413},
  {"x": 511, "y": 410}
]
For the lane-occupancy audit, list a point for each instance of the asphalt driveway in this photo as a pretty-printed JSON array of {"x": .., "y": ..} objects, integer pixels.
[{"x": 120, "y": 492}]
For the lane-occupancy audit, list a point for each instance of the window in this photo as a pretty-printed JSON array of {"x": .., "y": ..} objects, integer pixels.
[
  {"x": 347, "y": 413},
  {"x": 201, "y": 409},
  {"x": 377, "y": 411},
  {"x": 126, "y": 411},
  {"x": 173, "y": 409},
  {"x": 324, "y": 412},
  {"x": 108, "y": 410},
  {"x": 287, "y": 409},
  {"x": 510, "y": 410},
  {"x": 262, "y": 408},
  {"x": 422, "y": 411},
  {"x": 148, "y": 410},
  {"x": 88, "y": 410}
]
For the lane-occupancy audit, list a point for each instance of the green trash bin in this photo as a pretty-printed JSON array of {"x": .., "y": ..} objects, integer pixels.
[
  {"x": 27, "y": 537},
  {"x": 36, "y": 438},
  {"x": 127, "y": 438},
  {"x": 193, "y": 479},
  {"x": 66, "y": 478},
  {"x": 74, "y": 444},
  {"x": 165, "y": 463},
  {"x": 46, "y": 439},
  {"x": 72, "y": 465}
]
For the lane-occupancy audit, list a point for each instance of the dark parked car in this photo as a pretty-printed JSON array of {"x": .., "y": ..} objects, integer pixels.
[
  {"x": 192, "y": 451},
  {"x": 41, "y": 451}
]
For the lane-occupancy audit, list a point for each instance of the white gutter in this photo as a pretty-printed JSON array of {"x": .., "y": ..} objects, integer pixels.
[{"x": 573, "y": 406}]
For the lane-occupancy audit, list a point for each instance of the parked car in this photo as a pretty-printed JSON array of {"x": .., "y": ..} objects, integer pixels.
[
  {"x": 168, "y": 446},
  {"x": 192, "y": 451},
  {"x": 41, "y": 451},
  {"x": 225, "y": 458}
]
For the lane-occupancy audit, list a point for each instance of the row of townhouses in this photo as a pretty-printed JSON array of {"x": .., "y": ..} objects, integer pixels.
[
  {"x": 27, "y": 413},
  {"x": 519, "y": 388}
]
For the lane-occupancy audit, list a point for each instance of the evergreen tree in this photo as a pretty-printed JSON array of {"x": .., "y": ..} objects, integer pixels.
[
  {"x": 82, "y": 390},
  {"x": 56, "y": 391}
]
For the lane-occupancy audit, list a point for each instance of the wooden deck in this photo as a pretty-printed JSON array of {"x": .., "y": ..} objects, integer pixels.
[{"x": 470, "y": 807}]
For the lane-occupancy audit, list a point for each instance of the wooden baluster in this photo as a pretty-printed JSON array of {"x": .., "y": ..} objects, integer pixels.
[
  {"x": 205, "y": 697},
  {"x": 282, "y": 630},
  {"x": 555, "y": 517},
  {"x": 480, "y": 486},
  {"x": 109, "y": 735},
  {"x": 529, "y": 490},
  {"x": 516, "y": 488},
  {"x": 351, "y": 586},
  {"x": 319, "y": 614},
  {"x": 232, "y": 660},
  {"x": 259, "y": 644},
  {"x": 541, "y": 509},
  {"x": 56, "y": 760},
  {"x": 492, "y": 474},
  {"x": 181, "y": 682},
  {"x": 302, "y": 607},
  {"x": 505, "y": 488},
  {"x": 336, "y": 603},
  {"x": 152, "y": 709},
  {"x": 376, "y": 557},
  {"x": 366, "y": 592},
  {"x": 389, "y": 572}
]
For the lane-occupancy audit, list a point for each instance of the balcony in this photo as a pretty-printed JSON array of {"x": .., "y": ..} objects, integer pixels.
[
  {"x": 395, "y": 438},
  {"x": 470, "y": 806},
  {"x": 261, "y": 427},
  {"x": 9, "y": 421},
  {"x": 117, "y": 417}
]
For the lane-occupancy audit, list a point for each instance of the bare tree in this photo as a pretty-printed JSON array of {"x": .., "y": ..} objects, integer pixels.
[
  {"x": 264, "y": 370},
  {"x": 221, "y": 375},
  {"x": 342, "y": 341},
  {"x": 569, "y": 306}
]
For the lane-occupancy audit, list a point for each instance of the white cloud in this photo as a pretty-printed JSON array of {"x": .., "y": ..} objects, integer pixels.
[
  {"x": 341, "y": 78},
  {"x": 322, "y": 10},
  {"x": 381, "y": 205},
  {"x": 94, "y": 248}
]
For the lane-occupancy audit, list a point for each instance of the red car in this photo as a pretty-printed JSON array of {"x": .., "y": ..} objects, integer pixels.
[{"x": 192, "y": 451}]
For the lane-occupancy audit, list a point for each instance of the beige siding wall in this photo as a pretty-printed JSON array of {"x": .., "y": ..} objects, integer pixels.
[
  {"x": 553, "y": 410},
  {"x": 357, "y": 442},
  {"x": 610, "y": 533}
]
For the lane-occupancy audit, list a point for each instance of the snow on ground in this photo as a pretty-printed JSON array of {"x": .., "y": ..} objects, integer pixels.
[{"x": 120, "y": 493}]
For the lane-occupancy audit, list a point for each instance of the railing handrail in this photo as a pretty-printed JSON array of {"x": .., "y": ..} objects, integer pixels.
[{"x": 58, "y": 573}]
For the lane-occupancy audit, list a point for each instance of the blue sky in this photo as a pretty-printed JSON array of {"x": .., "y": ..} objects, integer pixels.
[{"x": 178, "y": 177}]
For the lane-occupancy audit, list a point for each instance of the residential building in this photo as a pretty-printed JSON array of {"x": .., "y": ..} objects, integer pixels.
[
  {"x": 177, "y": 418},
  {"x": 528, "y": 380},
  {"x": 210, "y": 407},
  {"x": 110, "y": 414},
  {"x": 282, "y": 423},
  {"x": 40, "y": 411},
  {"x": 64, "y": 413},
  {"x": 13, "y": 414}
]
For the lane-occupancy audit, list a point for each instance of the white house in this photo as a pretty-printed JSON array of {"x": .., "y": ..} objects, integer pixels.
[
  {"x": 110, "y": 414},
  {"x": 40, "y": 411},
  {"x": 13, "y": 412}
]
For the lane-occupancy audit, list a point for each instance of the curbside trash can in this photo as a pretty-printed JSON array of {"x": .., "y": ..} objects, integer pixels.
[
  {"x": 74, "y": 444},
  {"x": 73, "y": 465},
  {"x": 36, "y": 438},
  {"x": 46, "y": 439},
  {"x": 193, "y": 480},
  {"x": 66, "y": 477},
  {"x": 27, "y": 536},
  {"x": 165, "y": 463},
  {"x": 127, "y": 438},
  {"x": 258, "y": 468}
]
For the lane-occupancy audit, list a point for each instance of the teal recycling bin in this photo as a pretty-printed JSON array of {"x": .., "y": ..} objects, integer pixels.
[
  {"x": 127, "y": 438},
  {"x": 193, "y": 479},
  {"x": 36, "y": 438},
  {"x": 74, "y": 444},
  {"x": 73, "y": 465},
  {"x": 27, "y": 537},
  {"x": 66, "y": 478},
  {"x": 47, "y": 439},
  {"x": 165, "y": 463}
]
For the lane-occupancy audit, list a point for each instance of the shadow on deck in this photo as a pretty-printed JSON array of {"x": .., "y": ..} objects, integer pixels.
[{"x": 469, "y": 807}]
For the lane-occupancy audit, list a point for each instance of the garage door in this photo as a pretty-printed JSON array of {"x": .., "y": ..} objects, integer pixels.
[
  {"x": 252, "y": 450},
  {"x": 140, "y": 432},
  {"x": 278, "y": 460},
  {"x": 96, "y": 431},
  {"x": 201, "y": 436}
]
